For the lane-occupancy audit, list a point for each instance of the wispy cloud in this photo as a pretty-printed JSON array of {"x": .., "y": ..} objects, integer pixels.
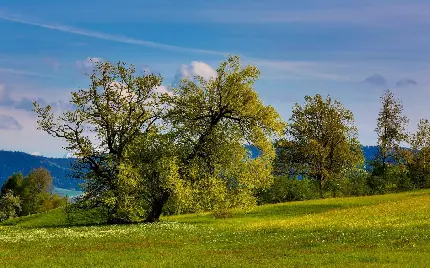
[
  {"x": 376, "y": 79},
  {"x": 406, "y": 82},
  {"x": 9, "y": 123},
  {"x": 386, "y": 14},
  {"x": 301, "y": 69},
  {"x": 22, "y": 72},
  {"x": 104, "y": 36}
]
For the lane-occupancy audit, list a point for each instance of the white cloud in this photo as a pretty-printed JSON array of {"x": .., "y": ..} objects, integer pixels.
[
  {"x": 196, "y": 68},
  {"x": 203, "y": 69},
  {"x": 36, "y": 154},
  {"x": 88, "y": 63},
  {"x": 163, "y": 89}
]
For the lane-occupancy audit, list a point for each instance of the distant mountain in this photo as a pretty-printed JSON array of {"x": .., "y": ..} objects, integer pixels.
[
  {"x": 13, "y": 162},
  {"x": 370, "y": 152}
]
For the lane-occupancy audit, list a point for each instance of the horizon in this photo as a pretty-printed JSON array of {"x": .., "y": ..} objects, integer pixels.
[{"x": 351, "y": 51}]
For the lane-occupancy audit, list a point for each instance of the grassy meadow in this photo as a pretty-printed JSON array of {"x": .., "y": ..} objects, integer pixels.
[{"x": 377, "y": 231}]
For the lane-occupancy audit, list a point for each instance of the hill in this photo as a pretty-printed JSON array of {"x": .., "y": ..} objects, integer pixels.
[
  {"x": 13, "y": 162},
  {"x": 377, "y": 231}
]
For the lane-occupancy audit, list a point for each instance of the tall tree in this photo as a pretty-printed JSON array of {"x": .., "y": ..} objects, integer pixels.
[
  {"x": 391, "y": 130},
  {"x": 211, "y": 121},
  {"x": 321, "y": 141},
  {"x": 117, "y": 107},
  {"x": 418, "y": 157},
  {"x": 36, "y": 187}
]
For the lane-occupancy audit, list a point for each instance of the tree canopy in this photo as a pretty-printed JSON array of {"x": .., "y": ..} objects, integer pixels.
[{"x": 321, "y": 141}]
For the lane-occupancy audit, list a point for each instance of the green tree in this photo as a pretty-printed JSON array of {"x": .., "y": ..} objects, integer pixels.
[
  {"x": 13, "y": 184},
  {"x": 321, "y": 141},
  {"x": 38, "y": 181},
  {"x": 391, "y": 126},
  {"x": 152, "y": 170},
  {"x": 108, "y": 116},
  {"x": 211, "y": 120},
  {"x": 36, "y": 186},
  {"x": 418, "y": 157}
]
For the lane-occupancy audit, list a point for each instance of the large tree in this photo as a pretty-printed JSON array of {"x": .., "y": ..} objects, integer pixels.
[
  {"x": 391, "y": 131},
  {"x": 211, "y": 121},
  {"x": 321, "y": 141},
  {"x": 117, "y": 107}
]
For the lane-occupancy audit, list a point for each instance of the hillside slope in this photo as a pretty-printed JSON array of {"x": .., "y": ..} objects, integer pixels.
[{"x": 377, "y": 231}]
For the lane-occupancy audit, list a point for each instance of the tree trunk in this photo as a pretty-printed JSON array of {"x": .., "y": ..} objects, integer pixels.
[
  {"x": 320, "y": 181},
  {"x": 157, "y": 207}
]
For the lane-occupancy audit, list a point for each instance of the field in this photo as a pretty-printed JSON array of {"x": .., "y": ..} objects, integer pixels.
[{"x": 379, "y": 231}]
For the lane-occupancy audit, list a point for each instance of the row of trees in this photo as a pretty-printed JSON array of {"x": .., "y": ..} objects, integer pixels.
[
  {"x": 321, "y": 146},
  {"x": 142, "y": 152},
  {"x": 28, "y": 195}
]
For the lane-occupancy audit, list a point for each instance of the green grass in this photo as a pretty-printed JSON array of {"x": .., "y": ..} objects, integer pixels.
[{"x": 379, "y": 231}]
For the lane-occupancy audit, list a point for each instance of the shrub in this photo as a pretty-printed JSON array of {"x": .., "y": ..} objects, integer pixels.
[
  {"x": 286, "y": 189},
  {"x": 10, "y": 206}
]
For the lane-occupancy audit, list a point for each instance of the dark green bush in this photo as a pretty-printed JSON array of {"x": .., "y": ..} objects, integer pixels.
[{"x": 288, "y": 189}]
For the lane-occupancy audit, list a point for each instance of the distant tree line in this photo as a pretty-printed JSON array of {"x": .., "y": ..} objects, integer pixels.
[
  {"x": 27, "y": 195},
  {"x": 143, "y": 152}
]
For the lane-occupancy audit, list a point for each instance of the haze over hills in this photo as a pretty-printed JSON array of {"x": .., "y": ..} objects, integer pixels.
[{"x": 13, "y": 162}]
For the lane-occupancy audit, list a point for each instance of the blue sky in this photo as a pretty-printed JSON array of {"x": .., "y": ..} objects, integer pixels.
[{"x": 352, "y": 50}]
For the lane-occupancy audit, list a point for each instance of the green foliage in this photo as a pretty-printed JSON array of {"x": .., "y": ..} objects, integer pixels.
[
  {"x": 211, "y": 120},
  {"x": 286, "y": 189},
  {"x": 117, "y": 107},
  {"x": 29, "y": 195},
  {"x": 391, "y": 130},
  {"x": 36, "y": 192},
  {"x": 37, "y": 186},
  {"x": 138, "y": 158},
  {"x": 356, "y": 182},
  {"x": 418, "y": 157},
  {"x": 13, "y": 184},
  {"x": 321, "y": 141},
  {"x": 10, "y": 206}
]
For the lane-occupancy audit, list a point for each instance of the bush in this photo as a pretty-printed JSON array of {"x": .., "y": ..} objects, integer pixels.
[
  {"x": 10, "y": 206},
  {"x": 286, "y": 189},
  {"x": 356, "y": 183},
  {"x": 222, "y": 214}
]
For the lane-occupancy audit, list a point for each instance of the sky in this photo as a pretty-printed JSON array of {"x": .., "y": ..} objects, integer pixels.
[{"x": 350, "y": 50}]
